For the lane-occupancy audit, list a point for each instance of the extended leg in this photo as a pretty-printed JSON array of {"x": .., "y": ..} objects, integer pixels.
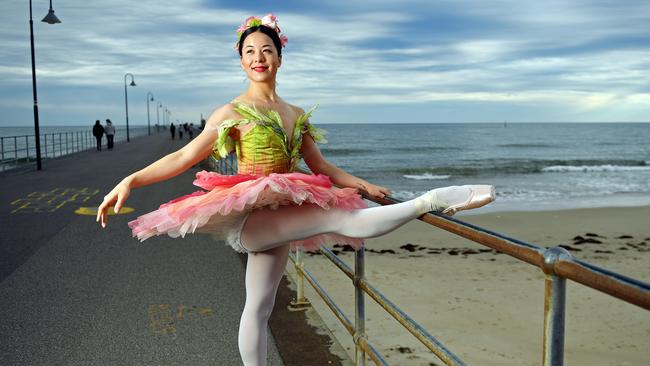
[
  {"x": 263, "y": 273},
  {"x": 266, "y": 228}
]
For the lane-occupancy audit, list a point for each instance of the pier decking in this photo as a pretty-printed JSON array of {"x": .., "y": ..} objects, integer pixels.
[{"x": 74, "y": 293}]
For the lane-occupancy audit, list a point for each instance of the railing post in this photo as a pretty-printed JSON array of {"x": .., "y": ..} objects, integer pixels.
[
  {"x": 2, "y": 148},
  {"x": 300, "y": 303},
  {"x": 554, "y": 308},
  {"x": 359, "y": 307}
]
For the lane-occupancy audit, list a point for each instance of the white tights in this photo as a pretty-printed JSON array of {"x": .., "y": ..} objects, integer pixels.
[
  {"x": 263, "y": 274},
  {"x": 266, "y": 234}
]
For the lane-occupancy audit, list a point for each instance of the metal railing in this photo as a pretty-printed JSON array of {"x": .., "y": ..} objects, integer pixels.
[
  {"x": 20, "y": 150},
  {"x": 557, "y": 264}
]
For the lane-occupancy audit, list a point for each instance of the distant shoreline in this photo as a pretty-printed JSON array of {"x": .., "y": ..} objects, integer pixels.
[{"x": 371, "y": 123}]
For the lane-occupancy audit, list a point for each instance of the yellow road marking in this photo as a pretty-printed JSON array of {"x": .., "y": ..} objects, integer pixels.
[
  {"x": 53, "y": 200},
  {"x": 162, "y": 320},
  {"x": 92, "y": 211}
]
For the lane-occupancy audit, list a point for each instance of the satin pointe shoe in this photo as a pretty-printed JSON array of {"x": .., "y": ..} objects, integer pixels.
[
  {"x": 480, "y": 195},
  {"x": 449, "y": 200}
]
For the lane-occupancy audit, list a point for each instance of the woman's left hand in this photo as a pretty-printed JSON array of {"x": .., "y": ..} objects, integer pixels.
[{"x": 375, "y": 191}]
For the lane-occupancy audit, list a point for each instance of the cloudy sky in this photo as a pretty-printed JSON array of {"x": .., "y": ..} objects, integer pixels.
[{"x": 361, "y": 61}]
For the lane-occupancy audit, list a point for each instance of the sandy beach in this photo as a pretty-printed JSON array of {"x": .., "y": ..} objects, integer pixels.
[{"x": 487, "y": 307}]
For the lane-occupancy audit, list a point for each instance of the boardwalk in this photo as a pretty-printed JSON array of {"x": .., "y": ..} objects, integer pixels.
[{"x": 72, "y": 293}]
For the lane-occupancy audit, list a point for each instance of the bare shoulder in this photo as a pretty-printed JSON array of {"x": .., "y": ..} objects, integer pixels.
[
  {"x": 297, "y": 110},
  {"x": 223, "y": 113}
]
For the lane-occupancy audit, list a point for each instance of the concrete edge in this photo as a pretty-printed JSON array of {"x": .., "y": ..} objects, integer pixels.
[{"x": 313, "y": 319}]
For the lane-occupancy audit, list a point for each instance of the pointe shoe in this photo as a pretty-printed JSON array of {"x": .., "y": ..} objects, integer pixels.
[
  {"x": 449, "y": 200},
  {"x": 480, "y": 195}
]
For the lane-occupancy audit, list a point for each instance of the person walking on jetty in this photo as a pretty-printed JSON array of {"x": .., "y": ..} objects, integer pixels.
[
  {"x": 110, "y": 133},
  {"x": 268, "y": 208},
  {"x": 172, "y": 130},
  {"x": 98, "y": 132},
  {"x": 190, "y": 131}
]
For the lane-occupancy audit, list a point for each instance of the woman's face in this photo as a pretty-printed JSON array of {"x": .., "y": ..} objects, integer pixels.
[{"x": 260, "y": 58}]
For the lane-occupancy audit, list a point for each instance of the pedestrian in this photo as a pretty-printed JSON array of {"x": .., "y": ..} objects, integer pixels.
[
  {"x": 180, "y": 131},
  {"x": 109, "y": 130},
  {"x": 98, "y": 132},
  {"x": 172, "y": 130},
  {"x": 190, "y": 130},
  {"x": 268, "y": 208}
]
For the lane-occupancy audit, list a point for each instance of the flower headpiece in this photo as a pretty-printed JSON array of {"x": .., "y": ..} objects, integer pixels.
[{"x": 269, "y": 20}]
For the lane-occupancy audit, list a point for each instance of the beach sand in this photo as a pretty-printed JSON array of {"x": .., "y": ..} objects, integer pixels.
[{"x": 487, "y": 307}]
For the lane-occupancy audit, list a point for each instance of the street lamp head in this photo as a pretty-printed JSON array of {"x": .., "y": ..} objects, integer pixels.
[
  {"x": 132, "y": 83},
  {"x": 151, "y": 100},
  {"x": 50, "y": 18}
]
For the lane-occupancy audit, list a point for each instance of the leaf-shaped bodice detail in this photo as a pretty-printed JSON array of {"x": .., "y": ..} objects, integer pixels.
[{"x": 266, "y": 147}]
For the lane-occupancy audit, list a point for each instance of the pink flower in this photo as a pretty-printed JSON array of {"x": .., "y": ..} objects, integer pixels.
[
  {"x": 268, "y": 20},
  {"x": 283, "y": 40}
]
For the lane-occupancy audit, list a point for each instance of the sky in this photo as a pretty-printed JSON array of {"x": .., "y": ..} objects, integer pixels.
[{"x": 359, "y": 61}]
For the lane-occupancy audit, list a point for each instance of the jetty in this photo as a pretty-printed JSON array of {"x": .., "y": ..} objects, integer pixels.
[{"x": 74, "y": 293}]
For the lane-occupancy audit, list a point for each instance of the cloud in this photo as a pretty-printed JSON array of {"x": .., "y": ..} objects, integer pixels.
[{"x": 576, "y": 58}]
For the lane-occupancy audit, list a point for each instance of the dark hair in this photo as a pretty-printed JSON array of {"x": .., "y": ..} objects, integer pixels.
[{"x": 266, "y": 30}]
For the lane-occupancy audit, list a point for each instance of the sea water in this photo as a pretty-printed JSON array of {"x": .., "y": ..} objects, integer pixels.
[{"x": 534, "y": 166}]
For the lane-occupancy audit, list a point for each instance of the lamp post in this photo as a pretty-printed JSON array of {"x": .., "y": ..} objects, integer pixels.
[
  {"x": 158, "y": 106},
  {"x": 50, "y": 18},
  {"x": 126, "y": 103},
  {"x": 149, "y": 94}
]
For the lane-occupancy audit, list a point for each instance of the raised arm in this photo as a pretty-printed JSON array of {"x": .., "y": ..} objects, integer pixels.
[
  {"x": 167, "y": 167},
  {"x": 318, "y": 165}
]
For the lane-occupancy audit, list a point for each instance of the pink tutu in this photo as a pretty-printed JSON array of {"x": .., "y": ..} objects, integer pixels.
[{"x": 220, "y": 211}]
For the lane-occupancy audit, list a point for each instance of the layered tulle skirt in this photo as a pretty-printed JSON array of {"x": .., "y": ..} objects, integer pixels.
[{"x": 221, "y": 208}]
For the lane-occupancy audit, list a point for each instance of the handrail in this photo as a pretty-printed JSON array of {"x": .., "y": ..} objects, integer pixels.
[
  {"x": 21, "y": 149},
  {"x": 625, "y": 288},
  {"x": 556, "y": 262}
]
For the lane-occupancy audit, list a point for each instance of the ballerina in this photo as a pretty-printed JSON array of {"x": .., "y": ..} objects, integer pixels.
[{"x": 267, "y": 208}]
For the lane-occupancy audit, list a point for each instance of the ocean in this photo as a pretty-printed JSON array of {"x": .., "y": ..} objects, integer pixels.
[
  {"x": 540, "y": 166},
  {"x": 534, "y": 166}
]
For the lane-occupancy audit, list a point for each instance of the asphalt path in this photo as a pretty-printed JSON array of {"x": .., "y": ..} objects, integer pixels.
[{"x": 72, "y": 293}]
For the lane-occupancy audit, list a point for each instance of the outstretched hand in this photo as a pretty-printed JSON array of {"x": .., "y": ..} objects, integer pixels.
[
  {"x": 376, "y": 191},
  {"x": 115, "y": 198}
]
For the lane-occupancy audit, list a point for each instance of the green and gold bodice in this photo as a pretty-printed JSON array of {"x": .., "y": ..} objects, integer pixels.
[{"x": 265, "y": 148}]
